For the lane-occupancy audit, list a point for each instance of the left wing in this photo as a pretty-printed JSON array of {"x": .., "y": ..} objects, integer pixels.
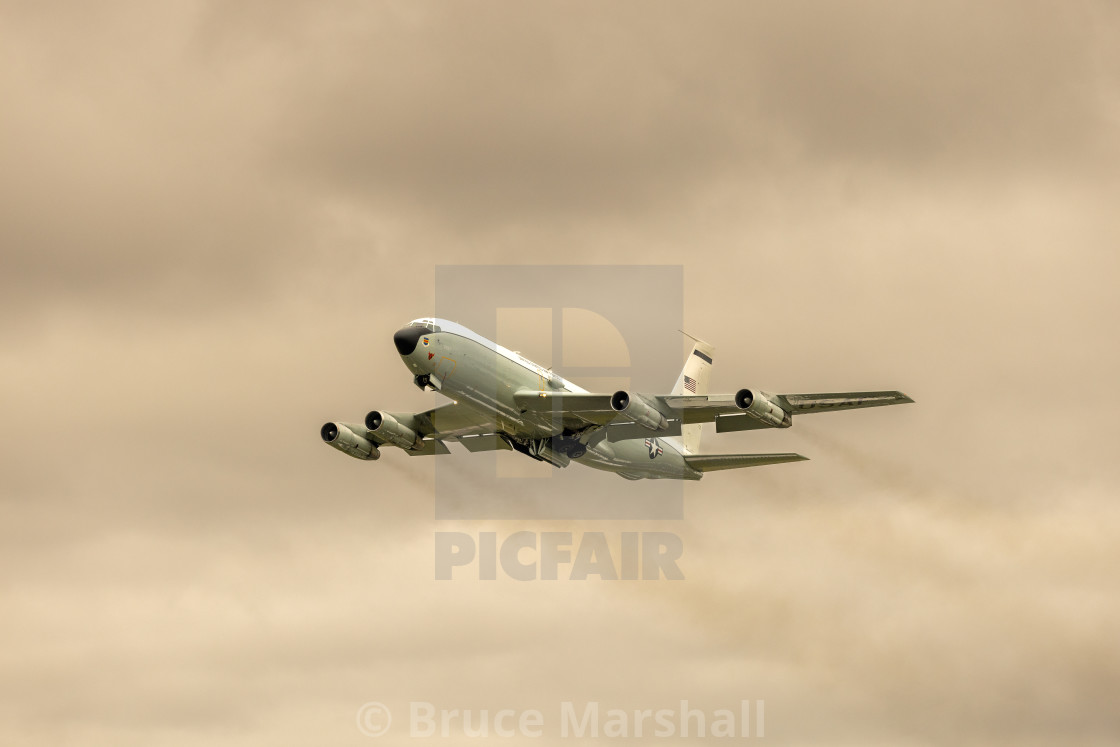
[
  {"x": 703, "y": 408},
  {"x": 802, "y": 403},
  {"x": 744, "y": 410}
]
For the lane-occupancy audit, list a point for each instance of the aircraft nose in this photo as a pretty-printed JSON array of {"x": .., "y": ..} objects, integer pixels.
[{"x": 406, "y": 338}]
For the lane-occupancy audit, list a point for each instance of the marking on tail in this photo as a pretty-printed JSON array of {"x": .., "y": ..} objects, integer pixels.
[{"x": 694, "y": 378}]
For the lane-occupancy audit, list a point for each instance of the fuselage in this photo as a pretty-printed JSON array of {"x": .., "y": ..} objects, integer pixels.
[{"x": 479, "y": 374}]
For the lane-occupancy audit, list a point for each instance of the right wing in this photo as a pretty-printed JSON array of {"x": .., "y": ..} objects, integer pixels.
[{"x": 579, "y": 411}]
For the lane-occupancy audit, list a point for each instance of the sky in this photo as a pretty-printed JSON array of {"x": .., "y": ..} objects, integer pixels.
[{"x": 214, "y": 216}]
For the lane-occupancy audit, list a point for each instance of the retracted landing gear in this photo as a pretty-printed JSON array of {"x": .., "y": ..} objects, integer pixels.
[
  {"x": 540, "y": 449},
  {"x": 423, "y": 381},
  {"x": 569, "y": 446}
]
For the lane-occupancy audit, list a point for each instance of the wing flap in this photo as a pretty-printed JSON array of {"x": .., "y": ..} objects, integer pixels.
[
  {"x": 700, "y": 408},
  {"x": 732, "y": 423},
  {"x": 484, "y": 442},
  {"x": 429, "y": 447},
  {"x": 699, "y": 401}
]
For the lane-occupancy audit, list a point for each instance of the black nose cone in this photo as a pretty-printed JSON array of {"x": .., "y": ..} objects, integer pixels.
[{"x": 405, "y": 339}]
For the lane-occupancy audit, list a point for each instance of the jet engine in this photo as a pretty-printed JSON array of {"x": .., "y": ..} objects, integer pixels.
[
  {"x": 760, "y": 407},
  {"x": 635, "y": 407},
  {"x": 390, "y": 430},
  {"x": 347, "y": 441}
]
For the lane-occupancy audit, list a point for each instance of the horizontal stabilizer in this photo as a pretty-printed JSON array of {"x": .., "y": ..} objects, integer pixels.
[{"x": 712, "y": 462}]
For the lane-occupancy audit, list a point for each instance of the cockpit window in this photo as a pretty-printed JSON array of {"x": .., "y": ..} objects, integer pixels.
[{"x": 426, "y": 323}]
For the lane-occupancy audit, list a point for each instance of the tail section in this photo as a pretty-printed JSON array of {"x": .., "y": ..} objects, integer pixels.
[
  {"x": 694, "y": 380},
  {"x": 712, "y": 462}
]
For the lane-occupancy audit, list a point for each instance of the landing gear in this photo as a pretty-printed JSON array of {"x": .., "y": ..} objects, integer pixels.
[
  {"x": 423, "y": 381},
  {"x": 541, "y": 449},
  {"x": 557, "y": 451},
  {"x": 571, "y": 447}
]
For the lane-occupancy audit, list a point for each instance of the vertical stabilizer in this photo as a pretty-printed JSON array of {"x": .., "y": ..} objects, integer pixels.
[{"x": 694, "y": 380}]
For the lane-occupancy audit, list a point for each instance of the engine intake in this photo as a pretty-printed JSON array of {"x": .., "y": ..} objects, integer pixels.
[
  {"x": 635, "y": 407},
  {"x": 760, "y": 407},
  {"x": 341, "y": 437},
  {"x": 390, "y": 430}
]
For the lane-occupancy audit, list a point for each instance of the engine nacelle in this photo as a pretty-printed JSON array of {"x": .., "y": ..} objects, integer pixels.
[
  {"x": 635, "y": 407},
  {"x": 341, "y": 437},
  {"x": 389, "y": 429},
  {"x": 760, "y": 407}
]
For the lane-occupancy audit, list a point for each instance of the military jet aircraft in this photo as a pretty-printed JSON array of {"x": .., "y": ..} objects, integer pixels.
[{"x": 501, "y": 400}]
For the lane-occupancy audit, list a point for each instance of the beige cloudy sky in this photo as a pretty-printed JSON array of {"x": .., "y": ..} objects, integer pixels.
[{"x": 214, "y": 215}]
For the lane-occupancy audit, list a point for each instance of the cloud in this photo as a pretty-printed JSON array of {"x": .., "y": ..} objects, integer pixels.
[
  {"x": 483, "y": 114},
  {"x": 213, "y": 217}
]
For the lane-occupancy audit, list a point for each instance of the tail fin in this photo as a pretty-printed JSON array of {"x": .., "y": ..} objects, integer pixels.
[{"x": 694, "y": 380}]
